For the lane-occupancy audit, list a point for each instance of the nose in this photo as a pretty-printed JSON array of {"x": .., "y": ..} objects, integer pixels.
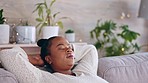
[{"x": 69, "y": 50}]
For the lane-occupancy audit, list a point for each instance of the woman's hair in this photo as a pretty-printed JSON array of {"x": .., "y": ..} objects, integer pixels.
[{"x": 45, "y": 45}]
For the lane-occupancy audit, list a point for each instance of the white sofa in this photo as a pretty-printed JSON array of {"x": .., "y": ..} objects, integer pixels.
[
  {"x": 119, "y": 69},
  {"x": 124, "y": 69},
  {"x": 7, "y": 77}
]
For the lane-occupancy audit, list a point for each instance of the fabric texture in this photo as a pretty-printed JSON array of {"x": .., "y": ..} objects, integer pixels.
[
  {"x": 124, "y": 69},
  {"x": 17, "y": 63},
  {"x": 7, "y": 77}
]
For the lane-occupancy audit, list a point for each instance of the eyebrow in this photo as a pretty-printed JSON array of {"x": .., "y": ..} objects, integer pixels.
[{"x": 61, "y": 44}]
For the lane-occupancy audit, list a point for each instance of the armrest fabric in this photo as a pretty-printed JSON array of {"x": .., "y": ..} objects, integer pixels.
[
  {"x": 7, "y": 77},
  {"x": 124, "y": 69}
]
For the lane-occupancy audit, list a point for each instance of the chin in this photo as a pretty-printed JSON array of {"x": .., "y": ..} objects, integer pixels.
[{"x": 71, "y": 66}]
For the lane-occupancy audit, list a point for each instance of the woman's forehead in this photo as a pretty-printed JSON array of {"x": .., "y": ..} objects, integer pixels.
[{"x": 59, "y": 40}]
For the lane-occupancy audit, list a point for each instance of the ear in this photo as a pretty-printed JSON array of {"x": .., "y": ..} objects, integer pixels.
[{"x": 48, "y": 59}]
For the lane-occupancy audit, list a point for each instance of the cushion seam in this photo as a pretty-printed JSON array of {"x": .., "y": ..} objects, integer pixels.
[{"x": 122, "y": 66}]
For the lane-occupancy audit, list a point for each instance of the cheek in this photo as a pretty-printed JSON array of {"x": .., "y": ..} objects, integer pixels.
[
  {"x": 58, "y": 61},
  {"x": 58, "y": 56}
]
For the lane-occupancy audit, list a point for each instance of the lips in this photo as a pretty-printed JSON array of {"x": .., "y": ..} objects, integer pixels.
[{"x": 70, "y": 56}]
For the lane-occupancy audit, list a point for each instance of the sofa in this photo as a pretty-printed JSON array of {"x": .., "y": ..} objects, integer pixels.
[
  {"x": 119, "y": 69},
  {"x": 7, "y": 77},
  {"x": 124, "y": 69}
]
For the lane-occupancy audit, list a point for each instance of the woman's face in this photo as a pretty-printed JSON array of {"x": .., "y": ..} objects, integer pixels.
[{"x": 61, "y": 54}]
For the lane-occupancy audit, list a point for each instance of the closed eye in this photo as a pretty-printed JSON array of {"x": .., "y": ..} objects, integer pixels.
[{"x": 61, "y": 48}]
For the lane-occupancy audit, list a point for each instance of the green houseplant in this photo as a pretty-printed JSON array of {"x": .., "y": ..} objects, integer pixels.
[
  {"x": 70, "y": 35},
  {"x": 114, "y": 40},
  {"x": 4, "y": 29},
  {"x": 46, "y": 17},
  {"x": 2, "y": 19},
  {"x": 69, "y": 31}
]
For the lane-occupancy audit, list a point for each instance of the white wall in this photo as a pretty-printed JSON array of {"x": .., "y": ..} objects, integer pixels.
[{"x": 83, "y": 14}]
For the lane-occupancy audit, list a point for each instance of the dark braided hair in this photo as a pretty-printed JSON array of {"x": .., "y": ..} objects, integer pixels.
[{"x": 45, "y": 45}]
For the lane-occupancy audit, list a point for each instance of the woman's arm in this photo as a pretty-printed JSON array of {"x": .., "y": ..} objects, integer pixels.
[
  {"x": 87, "y": 59},
  {"x": 36, "y": 60},
  {"x": 17, "y": 62}
]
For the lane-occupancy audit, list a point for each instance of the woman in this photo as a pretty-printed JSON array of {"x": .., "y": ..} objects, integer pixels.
[
  {"x": 57, "y": 55},
  {"x": 59, "y": 58}
]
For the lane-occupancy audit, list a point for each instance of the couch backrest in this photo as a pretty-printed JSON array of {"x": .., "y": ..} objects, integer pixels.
[
  {"x": 7, "y": 77},
  {"x": 124, "y": 69}
]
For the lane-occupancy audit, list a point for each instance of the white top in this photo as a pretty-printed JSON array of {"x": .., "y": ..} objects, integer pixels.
[{"x": 16, "y": 61}]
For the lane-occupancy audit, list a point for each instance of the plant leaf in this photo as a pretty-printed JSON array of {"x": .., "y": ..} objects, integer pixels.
[
  {"x": 38, "y": 6},
  {"x": 39, "y": 20},
  {"x": 54, "y": 15},
  {"x": 129, "y": 35},
  {"x": 48, "y": 11},
  {"x": 1, "y": 13},
  {"x": 69, "y": 31},
  {"x": 45, "y": 4},
  {"x": 91, "y": 34},
  {"x": 42, "y": 25},
  {"x": 1, "y": 17},
  {"x": 40, "y": 11},
  {"x": 60, "y": 24},
  {"x": 98, "y": 45},
  {"x": 52, "y": 2}
]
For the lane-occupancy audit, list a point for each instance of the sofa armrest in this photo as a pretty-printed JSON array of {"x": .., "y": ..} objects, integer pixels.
[
  {"x": 124, "y": 69},
  {"x": 7, "y": 77}
]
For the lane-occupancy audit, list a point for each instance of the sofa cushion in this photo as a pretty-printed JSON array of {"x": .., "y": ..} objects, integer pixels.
[
  {"x": 124, "y": 69},
  {"x": 7, "y": 77}
]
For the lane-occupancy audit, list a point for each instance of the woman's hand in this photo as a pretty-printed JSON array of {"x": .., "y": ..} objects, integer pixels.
[{"x": 35, "y": 60}]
